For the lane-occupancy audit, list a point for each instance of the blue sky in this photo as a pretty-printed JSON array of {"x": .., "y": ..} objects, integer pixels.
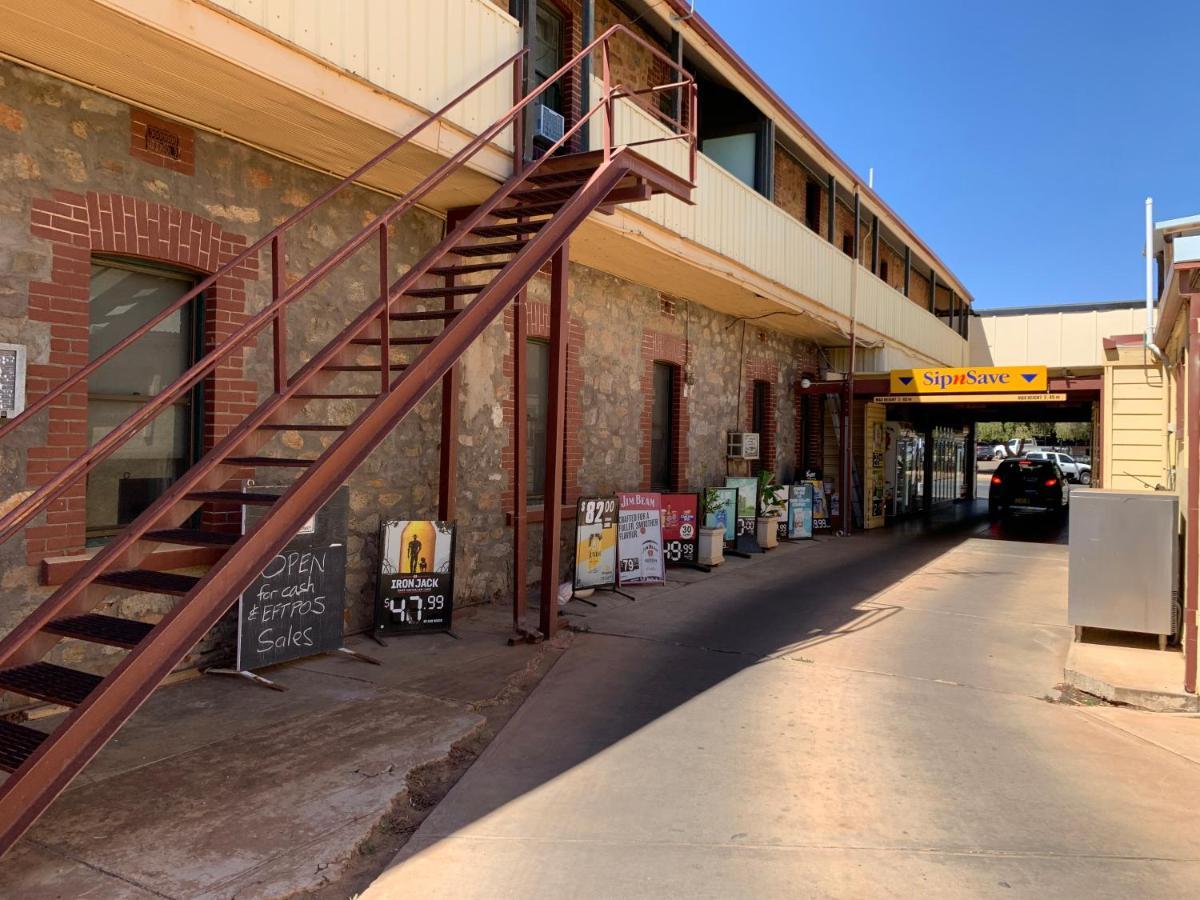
[{"x": 1019, "y": 139}]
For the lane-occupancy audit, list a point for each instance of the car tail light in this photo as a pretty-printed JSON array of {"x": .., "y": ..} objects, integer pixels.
[
  {"x": 996, "y": 479},
  {"x": 1051, "y": 482}
]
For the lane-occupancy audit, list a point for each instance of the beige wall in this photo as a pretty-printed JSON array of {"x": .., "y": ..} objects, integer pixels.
[
  {"x": 1059, "y": 339},
  {"x": 1135, "y": 418}
]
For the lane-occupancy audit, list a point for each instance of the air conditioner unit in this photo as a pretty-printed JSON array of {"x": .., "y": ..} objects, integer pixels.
[
  {"x": 742, "y": 445},
  {"x": 549, "y": 125}
]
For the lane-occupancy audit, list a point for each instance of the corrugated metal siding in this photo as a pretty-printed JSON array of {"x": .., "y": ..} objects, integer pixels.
[
  {"x": 425, "y": 52},
  {"x": 734, "y": 220}
]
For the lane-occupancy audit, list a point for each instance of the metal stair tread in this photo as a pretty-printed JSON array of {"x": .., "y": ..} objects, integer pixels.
[
  {"x": 279, "y": 462},
  {"x": 49, "y": 682},
  {"x": 192, "y": 536},
  {"x": 334, "y": 396},
  {"x": 493, "y": 249},
  {"x": 17, "y": 743},
  {"x": 510, "y": 228},
  {"x": 451, "y": 290},
  {"x": 396, "y": 341},
  {"x": 424, "y": 315},
  {"x": 302, "y": 426},
  {"x": 465, "y": 269},
  {"x": 149, "y": 582},
  {"x": 245, "y": 497},
  {"x": 100, "y": 629}
]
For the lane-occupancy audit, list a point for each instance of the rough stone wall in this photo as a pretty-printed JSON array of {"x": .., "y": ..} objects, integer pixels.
[{"x": 65, "y": 150}]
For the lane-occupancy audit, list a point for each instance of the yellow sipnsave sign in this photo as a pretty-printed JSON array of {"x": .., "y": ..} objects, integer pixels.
[{"x": 969, "y": 380}]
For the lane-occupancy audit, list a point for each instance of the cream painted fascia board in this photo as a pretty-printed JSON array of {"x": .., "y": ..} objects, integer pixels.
[
  {"x": 637, "y": 228},
  {"x": 214, "y": 30}
]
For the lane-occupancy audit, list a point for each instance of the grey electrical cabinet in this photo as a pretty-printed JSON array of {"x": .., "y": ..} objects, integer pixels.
[{"x": 1124, "y": 561}]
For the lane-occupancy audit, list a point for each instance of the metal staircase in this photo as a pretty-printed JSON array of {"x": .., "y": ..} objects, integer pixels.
[{"x": 476, "y": 270}]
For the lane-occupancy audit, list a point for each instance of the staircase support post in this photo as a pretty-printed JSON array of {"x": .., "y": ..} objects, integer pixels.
[
  {"x": 279, "y": 325},
  {"x": 448, "y": 462},
  {"x": 555, "y": 430},
  {"x": 520, "y": 483}
]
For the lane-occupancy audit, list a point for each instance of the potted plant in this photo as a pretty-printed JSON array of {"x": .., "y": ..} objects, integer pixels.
[
  {"x": 711, "y": 539},
  {"x": 771, "y": 508}
]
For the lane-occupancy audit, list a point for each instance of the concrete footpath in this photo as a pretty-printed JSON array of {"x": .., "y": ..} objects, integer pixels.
[
  {"x": 218, "y": 788},
  {"x": 876, "y": 717}
]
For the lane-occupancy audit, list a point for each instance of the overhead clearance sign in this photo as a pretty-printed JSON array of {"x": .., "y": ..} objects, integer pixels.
[{"x": 970, "y": 380}]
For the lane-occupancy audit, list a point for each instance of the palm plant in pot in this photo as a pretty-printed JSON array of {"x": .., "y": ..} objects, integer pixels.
[
  {"x": 711, "y": 539},
  {"x": 771, "y": 508}
]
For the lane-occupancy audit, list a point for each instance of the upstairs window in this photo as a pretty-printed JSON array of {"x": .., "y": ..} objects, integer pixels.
[{"x": 812, "y": 205}]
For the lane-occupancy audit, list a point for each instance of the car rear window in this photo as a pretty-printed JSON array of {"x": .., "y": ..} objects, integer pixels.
[{"x": 1025, "y": 464}]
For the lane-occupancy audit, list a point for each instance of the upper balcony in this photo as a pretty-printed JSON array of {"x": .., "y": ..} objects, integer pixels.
[{"x": 789, "y": 270}]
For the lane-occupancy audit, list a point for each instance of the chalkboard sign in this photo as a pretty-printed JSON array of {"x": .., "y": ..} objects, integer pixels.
[
  {"x": 416, "y": 577},
  {"x": 295, "y": 607}
]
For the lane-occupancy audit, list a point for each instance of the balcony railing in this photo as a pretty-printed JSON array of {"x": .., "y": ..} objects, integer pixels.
[{"x": 739, "y": 223}]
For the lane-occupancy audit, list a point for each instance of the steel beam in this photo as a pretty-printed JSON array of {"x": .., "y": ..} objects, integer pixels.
[
  {"x": 874, "y": 245},
  {"x": 520, "y": 481},
  {"x": 831, "y": 225},
  {"x": 555, "y": 431}
]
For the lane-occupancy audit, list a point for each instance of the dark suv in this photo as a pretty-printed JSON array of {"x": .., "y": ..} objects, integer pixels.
[{"x": 1028, "y": 484}]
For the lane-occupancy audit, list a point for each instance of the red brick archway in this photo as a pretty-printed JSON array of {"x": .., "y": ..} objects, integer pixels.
[{"x": 78, "y": 225}]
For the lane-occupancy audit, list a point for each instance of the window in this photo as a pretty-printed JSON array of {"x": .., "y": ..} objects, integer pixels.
[
  {"x": 662, "y": 427},
  {"x": 760, "y": 421},
  {"x": 737, "y": 154},
  {"x": 883, "y": 269},
  {"x": 812, "y": 205},
  {"x": 125, "y": 295},
  {"x": 848, "y": 243},
  {"x": 548, "y": 40},
  {"x": 537, "y": 410}
]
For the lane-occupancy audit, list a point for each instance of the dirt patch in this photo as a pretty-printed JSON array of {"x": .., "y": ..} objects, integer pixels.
[{"x": 427, "y": 785}]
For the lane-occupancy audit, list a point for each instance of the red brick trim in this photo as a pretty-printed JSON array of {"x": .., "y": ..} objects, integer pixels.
[
  {"x": 537, "y": 325},
  {"x": 162, "y": 142},
  {"x": 767, "y": 371},
  {"x": 78, "y": 225},
  {"x": 665, "y": 348}
]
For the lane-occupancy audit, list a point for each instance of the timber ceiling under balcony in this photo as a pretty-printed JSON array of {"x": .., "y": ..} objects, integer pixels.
[{"x": 164, "y": 56}]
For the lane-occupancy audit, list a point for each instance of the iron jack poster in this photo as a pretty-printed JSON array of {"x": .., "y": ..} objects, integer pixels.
[
  {"x": 596, "y": 542},
  {"x": 416, "y": 577},
  {"x": 639, "y": 539}
]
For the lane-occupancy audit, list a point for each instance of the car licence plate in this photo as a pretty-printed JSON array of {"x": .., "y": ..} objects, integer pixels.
[{"x": 1020, "y": 501}]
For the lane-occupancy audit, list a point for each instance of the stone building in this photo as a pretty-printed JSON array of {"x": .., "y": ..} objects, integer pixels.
[{"x": 144, "y": 146}]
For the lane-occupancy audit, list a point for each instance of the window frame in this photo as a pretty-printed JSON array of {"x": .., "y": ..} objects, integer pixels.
[{"x": 194, "y": 399}]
